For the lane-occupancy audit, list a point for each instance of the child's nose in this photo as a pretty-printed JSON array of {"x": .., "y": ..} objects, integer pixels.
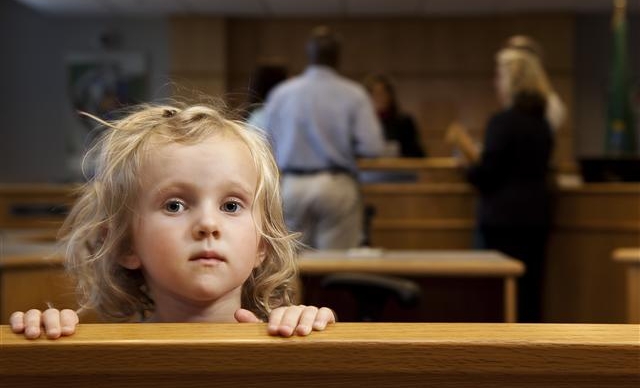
[{"x": 206, "y": 225}]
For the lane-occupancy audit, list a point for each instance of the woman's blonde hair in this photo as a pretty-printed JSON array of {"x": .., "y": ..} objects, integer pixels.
[
  {"x": 97, "y": 232},
  {"x": 524, "y": 73}
]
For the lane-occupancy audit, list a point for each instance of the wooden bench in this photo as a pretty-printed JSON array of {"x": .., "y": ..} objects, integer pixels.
[{"x": 346, "y": 354}]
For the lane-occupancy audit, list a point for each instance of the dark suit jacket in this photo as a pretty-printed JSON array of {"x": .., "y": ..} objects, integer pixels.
[{"x": 512, "y": 175}]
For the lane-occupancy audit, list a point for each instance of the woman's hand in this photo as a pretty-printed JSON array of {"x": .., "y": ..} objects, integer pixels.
[
  {"x": 56, "y": 323},
  {"x": 289, "y": 320},
  {"x": 458, "y": 136}
]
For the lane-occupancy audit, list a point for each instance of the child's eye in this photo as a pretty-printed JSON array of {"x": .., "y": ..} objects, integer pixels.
[
  {"x": 230, "y": 207},
  {"x": 174, "y": 206}
]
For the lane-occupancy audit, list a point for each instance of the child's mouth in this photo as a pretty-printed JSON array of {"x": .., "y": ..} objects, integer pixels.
[{"x": 207, "y": 257}]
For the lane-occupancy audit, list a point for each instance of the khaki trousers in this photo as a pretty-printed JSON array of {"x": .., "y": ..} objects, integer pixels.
[{"x": 325, "y": 207}]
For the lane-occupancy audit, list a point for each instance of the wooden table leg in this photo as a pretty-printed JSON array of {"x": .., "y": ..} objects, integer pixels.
[
  {"x": 510, "y": 299},
  {"x": 633, "y": 293}
]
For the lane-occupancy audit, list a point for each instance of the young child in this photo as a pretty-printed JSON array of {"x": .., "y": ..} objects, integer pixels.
[{"x": 182, "y": 222}]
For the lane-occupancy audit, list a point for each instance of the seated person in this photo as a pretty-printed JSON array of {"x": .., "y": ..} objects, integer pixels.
[{"x": 399, "y": 128}]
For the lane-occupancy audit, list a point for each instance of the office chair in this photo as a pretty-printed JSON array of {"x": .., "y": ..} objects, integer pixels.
[{"x": 372, "y": 292}]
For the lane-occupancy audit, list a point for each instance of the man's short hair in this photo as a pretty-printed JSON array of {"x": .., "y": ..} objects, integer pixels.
[{"x": 323, "y": 47}]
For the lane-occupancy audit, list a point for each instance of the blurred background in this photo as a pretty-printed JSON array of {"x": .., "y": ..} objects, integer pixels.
[
  {"x": 439, "y": 53},
  {"x": 60, "y": 56}
]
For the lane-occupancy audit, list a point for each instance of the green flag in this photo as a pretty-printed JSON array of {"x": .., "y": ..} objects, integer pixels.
[{"x": 620, "y": 134}]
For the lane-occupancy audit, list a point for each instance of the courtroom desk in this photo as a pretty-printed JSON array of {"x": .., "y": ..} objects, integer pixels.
[
  {"x": 421, "y": 215},
  {"x": 434, "y": 170},
  {"x": 630, "y": 257},
  {"x": 431, "y": 269},
  {"x": 34, "y": 205},
  {"x": 356, "y": 354},
  {"x": 583, "y": 284}
]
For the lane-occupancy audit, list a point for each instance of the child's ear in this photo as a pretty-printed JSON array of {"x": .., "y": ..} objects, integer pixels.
[
  {"x": 262, "y": 253},
  {"x": 130, "y": 261}
]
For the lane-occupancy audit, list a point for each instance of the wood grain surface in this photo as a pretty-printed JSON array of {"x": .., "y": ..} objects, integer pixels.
[{"x": 346, "y": 354}]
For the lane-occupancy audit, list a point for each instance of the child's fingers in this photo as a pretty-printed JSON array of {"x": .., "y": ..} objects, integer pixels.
[
  {"x": 32, "y": 322},
  {"x": 16, "y": 320},
  {"x": 51, "y": 323},
  {"x": 291, "y": 319},
  {"x": 323, "y": 317},
  {"x": 284, "y": 320},
  {"x": 275, "y": 317},
  {"x": 68, "y": 321},
  {"x": 245, "y": 316},
  {"x": 306, "y": 320}
]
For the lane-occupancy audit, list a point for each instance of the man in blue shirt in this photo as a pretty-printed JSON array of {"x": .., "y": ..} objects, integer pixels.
[{"x": 319, "y": 123}]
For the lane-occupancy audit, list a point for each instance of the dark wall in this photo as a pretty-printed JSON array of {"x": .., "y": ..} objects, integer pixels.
[{"x": 41, "y": 135}]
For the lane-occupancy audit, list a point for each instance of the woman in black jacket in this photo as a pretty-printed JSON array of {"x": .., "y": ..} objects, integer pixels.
[{"x": 511, "y": 173}]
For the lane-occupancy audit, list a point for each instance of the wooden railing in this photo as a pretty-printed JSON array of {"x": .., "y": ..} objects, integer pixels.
[{"x": 346, "y": 354}]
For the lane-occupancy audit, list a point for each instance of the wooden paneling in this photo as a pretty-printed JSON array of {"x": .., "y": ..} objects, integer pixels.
[
  {"x": 198, "y": 88},
  {"x": 420, "y": 201},
  {"x": 198, "y": 45},
  {"x": 421, "y": 216},
  {"x": 198, "y": 51},
  {"x": 371, "y": 355}
]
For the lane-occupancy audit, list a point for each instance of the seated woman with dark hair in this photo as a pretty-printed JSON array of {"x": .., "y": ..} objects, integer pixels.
[{"x": 399, "y": 128}]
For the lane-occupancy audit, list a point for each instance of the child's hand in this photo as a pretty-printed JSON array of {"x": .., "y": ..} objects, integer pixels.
[
  {"x": 288, "y": 320},
  {"x": 55, "y": 322},
  {"x": 301, "y": 320}
]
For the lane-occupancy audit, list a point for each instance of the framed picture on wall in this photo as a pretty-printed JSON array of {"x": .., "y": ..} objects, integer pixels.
[{"x": 103, "y": 83}]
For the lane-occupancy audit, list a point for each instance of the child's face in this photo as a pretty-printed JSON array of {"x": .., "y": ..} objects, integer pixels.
[{"x": 194, "y": 234}]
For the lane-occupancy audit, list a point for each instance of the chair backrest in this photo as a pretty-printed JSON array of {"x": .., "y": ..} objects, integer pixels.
[{"x": 372, "y": 292}]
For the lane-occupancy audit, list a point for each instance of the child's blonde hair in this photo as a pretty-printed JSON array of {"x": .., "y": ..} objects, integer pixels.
[{"x": 97, "y": 231}]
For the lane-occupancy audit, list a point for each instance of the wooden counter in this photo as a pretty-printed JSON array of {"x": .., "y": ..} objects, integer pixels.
[
  {"x": 630, "y": 257},
  {"x": 433, "y": 170},
  {"x": 371, "y": 355},
  {"x": 421, "y": 215},
  {"x": 591, "y": 221}
]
